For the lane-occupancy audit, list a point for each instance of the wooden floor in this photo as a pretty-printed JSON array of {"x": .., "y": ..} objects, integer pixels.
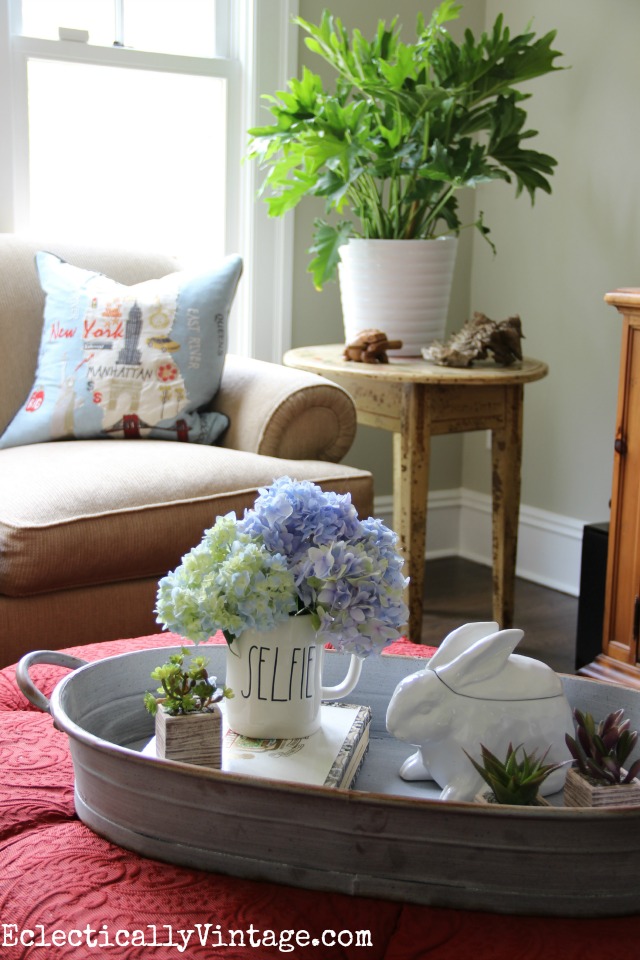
[{"x": 458, "y": 591}]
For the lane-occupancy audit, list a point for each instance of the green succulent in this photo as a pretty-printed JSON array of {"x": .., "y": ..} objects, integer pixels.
[
  {"x": 600, "y": 750},
  {"x": 184, "y": 689},
  {"x": 514, "y": 780}
]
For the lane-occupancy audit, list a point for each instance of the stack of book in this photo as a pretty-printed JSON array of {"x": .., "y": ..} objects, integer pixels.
[{"x": 331, "y": 757}]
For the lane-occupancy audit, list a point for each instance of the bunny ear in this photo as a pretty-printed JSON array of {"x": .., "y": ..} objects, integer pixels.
[
  {"x": 460, "y": 640},
  {"x": 486, "y": 658}
]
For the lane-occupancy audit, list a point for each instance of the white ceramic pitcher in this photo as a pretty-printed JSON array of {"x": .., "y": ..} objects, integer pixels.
[{"x": 276, "y": 678}]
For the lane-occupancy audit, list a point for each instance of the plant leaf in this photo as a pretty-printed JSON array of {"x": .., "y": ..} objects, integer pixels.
[
  {"x": 327, "y": 241},
  {"x": 632, "y": 772}
]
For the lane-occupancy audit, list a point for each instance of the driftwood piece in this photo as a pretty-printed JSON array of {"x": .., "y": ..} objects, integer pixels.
[
  {"x": 479, "y": 337},
  {"x": 370, "y": 346}
]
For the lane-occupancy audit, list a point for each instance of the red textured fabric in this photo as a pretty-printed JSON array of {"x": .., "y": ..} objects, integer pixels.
[
  {"x": 36, "y": 773},
  {"x": 46, "y": 677},
  {"x": 439, "y": 934},
  {"x": 57, "y": 875},
  {"x": 65, "y": 877}
]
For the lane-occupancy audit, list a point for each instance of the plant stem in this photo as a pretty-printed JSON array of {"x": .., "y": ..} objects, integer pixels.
[{"x": 433, "y": 216}]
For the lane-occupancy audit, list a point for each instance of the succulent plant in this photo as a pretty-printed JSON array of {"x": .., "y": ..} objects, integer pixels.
[
  {"x": 600, "y": 750},
  {"x": 514, "y": 780},
  {"x": 184, "y": 689}
]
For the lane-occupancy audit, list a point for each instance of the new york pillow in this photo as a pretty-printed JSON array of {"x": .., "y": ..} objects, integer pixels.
[{"x": 127, "y": 362}]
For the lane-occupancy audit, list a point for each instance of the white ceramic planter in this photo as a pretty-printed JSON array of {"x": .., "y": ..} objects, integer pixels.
[
  {"x": 401, "y": 287},
  {"x": 276, "y": 678}
]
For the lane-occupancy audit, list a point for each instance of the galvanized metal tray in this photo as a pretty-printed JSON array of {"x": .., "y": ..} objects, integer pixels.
[{"x": 386, "y": 838}]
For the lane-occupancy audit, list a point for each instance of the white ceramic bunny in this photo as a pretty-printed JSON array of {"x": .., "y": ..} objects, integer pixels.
[{"x": 475, "y": 690}]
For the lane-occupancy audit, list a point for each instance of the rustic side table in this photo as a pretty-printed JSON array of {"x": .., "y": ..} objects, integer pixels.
[{"x": 416, "y": 400}]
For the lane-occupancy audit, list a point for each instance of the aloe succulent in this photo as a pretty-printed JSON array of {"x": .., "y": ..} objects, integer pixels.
[
  {"x": 601, "y": 750},
  {"x": 514, "y": 780},
  {"x": 184, "y": 689}
]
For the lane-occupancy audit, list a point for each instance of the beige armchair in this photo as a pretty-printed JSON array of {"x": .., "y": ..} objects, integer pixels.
[{"x": 87, "y": 527}]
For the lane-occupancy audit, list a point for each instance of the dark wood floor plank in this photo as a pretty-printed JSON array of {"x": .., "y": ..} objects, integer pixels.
[{"x": 458, "y": 591}]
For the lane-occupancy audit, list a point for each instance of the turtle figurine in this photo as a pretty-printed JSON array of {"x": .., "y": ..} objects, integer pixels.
[{"x": 370, "y": 346}]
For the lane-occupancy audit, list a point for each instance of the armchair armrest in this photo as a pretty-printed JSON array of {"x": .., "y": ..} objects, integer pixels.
[{"x": 280, "y": 412}]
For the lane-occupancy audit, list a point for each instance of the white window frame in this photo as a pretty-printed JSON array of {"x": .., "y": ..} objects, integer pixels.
[{"x": 262, "y": 47}]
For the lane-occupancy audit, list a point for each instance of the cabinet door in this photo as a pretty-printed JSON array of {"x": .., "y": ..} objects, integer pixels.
[{"x": 622, "y": 609}]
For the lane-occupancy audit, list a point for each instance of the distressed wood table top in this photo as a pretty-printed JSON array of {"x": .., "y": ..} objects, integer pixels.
[
  {"x": 416, "y": 400},
  {"x": 327, "y": 358}
]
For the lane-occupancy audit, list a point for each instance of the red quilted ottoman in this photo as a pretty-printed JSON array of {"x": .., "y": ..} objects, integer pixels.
[{"x": 67, "y": 893}]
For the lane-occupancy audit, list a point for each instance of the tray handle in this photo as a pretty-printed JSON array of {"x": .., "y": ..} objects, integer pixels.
[{"x": 51, "y": 657}]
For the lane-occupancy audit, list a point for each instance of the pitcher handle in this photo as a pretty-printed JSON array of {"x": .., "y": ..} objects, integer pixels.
[
  {"x": 51, "y": 657},
  {"x": 342, "y": 689}
]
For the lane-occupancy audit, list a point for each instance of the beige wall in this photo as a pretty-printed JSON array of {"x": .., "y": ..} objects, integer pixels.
[{"x": 555, "y": 261}]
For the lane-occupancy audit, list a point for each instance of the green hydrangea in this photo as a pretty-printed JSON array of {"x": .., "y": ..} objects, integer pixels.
[{"x": 229, "y": 582}]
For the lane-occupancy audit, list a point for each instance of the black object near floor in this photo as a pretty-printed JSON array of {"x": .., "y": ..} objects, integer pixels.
[{"x": 458, "y": 591}]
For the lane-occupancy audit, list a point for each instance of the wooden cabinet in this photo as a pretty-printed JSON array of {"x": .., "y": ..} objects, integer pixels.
[{"x": 620, "y": 657}]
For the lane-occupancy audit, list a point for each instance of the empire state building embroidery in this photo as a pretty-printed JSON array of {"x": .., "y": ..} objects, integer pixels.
[{"x": 130, "y": 353}]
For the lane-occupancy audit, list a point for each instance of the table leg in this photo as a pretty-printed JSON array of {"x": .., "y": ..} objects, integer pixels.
[
  {"x": 410, "y": 489},
  {"x": 506, "y": 455}
]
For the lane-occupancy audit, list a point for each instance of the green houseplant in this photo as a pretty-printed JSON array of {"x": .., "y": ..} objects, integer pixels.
[
  {"x": 600, "y": 750},
  {"x": 404, "y": 128},
  {"x": 188, "y": 718},
  {"x": 514, "y": 780}
]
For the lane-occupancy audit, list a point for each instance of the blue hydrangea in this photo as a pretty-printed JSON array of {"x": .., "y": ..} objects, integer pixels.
[
  {"x": 292, "y": 515},
  {"x": 298, "y": 549},
  {"x": 355, "y": 589}
]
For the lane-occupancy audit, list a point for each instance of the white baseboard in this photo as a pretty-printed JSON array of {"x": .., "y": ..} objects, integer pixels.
[{"x": 459, "y": 524}]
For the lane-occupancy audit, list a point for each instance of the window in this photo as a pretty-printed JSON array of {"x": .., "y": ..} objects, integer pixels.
[
  {"x": 127, "y": 155},
  {"x": 191, "y": 27},
  {"x": 126, "y": 123}
]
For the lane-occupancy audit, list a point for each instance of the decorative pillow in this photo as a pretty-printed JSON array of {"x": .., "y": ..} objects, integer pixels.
[{"x": 133, "y": 362}]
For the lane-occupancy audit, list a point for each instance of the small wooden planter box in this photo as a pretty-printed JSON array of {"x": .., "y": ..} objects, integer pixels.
[
  {"x": 580, "y": 792},
  {"x": 190, "y": 738},
  {"x": 487, "y": 797}
]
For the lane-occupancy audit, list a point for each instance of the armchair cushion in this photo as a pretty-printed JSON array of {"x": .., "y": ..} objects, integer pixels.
[
  {"x": 85, "y": 514},
  {"x": 127, "y": 361}
]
